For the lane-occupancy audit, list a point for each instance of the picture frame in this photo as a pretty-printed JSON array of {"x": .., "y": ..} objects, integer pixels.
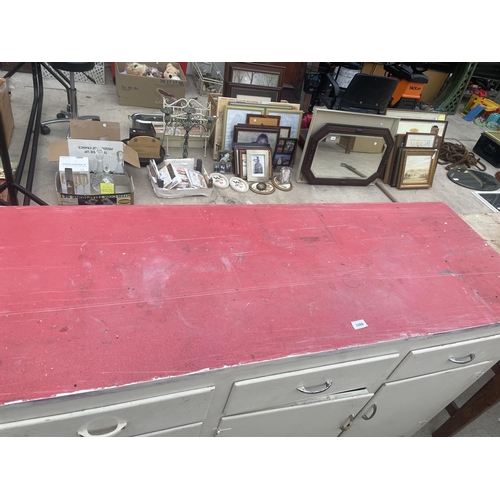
[
  {"x": 240, "y": 158},
  {"x": 258, "y": 163},
  {"x": 437, "y": 127},
  {"x": 417, "y": 167},
  {"x": 269, "y": 121},
  {"x": 255, "y": 74},
  {"x": 255, "y": 134},
  {"x": 285, "y": 132},
  {"x": 225, "y": 162},
  {"x": 288, "y": 118},
  {"x": 240, "y": 91},
  {"x": 285, "y": 149},
  {"x": 235, "y": 116},
  {"x": 420, "y": 140}
]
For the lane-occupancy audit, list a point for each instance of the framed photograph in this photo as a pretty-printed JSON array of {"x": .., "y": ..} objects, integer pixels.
[
  {"x": 285, "y": 132},
  {"x": 258, "y": 164},
  {"x": 225, "y": 163},
  {"x": 417, "y": 167},
  {"x": 240, "y": 157},
  {"x": 257, "y": 134},
  {"x": 283, "y": 154},
  {"x": 240, "y": 91},
  {"x": 270, "y": 121},
  {"x": 235, "y": 116},
  {"x": 289, "y": 118},
  {"x": 420, "y": 140},
  {"x": 263, "y": 75},
  {"x": 435, "y": 127}
]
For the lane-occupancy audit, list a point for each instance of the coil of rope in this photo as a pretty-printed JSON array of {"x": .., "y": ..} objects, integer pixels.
[{"x": 453, "y": 155}]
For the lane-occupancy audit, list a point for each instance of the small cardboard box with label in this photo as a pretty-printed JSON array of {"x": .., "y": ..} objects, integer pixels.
[
  {"x": 74, "y": 175},
  {"x": 86, "y": 138}
]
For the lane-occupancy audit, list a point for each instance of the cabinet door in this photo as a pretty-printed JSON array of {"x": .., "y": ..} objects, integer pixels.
[
  {"x": 401, "y": 408},
  {"x": 126, "y": 419},
  {"x": 445, "y": 357},
  {"x": 318, "y": 419}
]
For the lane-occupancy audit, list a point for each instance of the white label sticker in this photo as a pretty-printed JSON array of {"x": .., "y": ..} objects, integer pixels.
[{"x": 360, "y": 323}]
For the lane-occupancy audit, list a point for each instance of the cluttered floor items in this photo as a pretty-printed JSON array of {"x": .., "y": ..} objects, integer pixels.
[{"x": 251, "y": 136}]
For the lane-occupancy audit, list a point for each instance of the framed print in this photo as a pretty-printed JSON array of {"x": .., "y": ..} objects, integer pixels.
[
  {"x": 435, "y": 127},
  {"x": 418, "y": 140},
  {"x": 240, "y": 159},
  {"x": 240, "y": 91},
  {"x": 225, "y": 162},
  {"x": 285, "y": 132},
  {"x": 283, "y": 154},
  {"x": 270, "y": 121},
  {"x": 235, "y": 116},
  {"x": 258, "y": 164},
  {"x": 244, "y": 73},
  {"x": 417, "y": 167},
  {"x": 257, "y": 134},
  {"x": 292, "y": 119}
]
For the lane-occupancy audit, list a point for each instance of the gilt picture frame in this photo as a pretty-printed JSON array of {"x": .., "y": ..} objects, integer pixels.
[{"x": 417, "y": 167}]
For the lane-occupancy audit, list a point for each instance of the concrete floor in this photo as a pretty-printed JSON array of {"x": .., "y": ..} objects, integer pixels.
[{"x": 102, "y": 100}]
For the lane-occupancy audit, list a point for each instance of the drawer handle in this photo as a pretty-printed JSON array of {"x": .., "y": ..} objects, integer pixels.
[
  {"x": 374, "y": 408},
  {"x": 328, "y": 384},
  {"x": 347, "y": 426},
  {"x": 470, "y": 358},
  {"x": 119, "y": 427}
]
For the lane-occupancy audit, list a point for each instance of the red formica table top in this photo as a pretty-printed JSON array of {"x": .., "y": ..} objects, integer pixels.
[{"x": 97, "y": 297}]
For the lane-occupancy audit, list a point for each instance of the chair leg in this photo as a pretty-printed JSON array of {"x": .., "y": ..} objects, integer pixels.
[{"x": 72, "y": 109}]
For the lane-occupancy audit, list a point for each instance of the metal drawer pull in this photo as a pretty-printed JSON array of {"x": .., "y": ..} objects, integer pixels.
[
  {"x": 470, "y": 358},
  {"x": 347, "y": 426},
  {"x": 374, "y": 408},
  {"x": 119, "y": 427},
  {"x": 328, "y": 384}
]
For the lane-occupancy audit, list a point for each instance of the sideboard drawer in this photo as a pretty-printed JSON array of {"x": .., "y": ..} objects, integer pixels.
[
  {"x": 297, "y": 386},
  {"x": 445, "y": 357},
  {"x": 127, "y": 419}
]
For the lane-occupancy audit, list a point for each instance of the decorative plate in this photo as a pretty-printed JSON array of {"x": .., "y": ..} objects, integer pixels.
[
  {"x": 219, "y": 180},
  {"x": 262, "y": 187},
  {"x": 238, "y": 184},
  {"x": 277, "y": 184}
]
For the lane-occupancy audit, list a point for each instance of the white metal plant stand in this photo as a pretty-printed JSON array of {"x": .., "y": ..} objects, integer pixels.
[{"x": 186, "y": 119}]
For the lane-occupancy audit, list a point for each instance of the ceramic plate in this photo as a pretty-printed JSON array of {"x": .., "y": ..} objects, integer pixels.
[
  {"x": 262, "y": 187},
  {"x": 219, "y": 180},
  {"x": 238, "y": 184}
]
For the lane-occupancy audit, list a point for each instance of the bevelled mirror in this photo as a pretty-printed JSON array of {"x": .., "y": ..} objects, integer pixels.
[{"x": 347, "y": 156}]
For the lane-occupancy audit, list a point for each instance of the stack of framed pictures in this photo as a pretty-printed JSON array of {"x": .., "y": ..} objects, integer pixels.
[
  {"x": 231, "y": 112},
  {"x": 249, "y": 80},
  {"x": 415, "y": 155}
]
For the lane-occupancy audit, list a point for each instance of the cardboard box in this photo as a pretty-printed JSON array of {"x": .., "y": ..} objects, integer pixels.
[
  {"x": 74, "y": 175},
  {"x": 6, "y": 110},
  {"x": 148, "y": 92},
  {"x": 123, "y": 195},
  {"x": 86, "y": 137}
]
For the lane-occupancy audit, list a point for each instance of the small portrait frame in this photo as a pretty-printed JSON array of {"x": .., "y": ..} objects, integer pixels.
[
  {"x": 420, "y": 140},
  {"x": 258, "y": 164},
  {"x": 268, "y": 121}
]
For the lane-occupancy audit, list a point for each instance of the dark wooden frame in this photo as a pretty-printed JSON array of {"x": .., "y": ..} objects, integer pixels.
[
  {"x": 257, "y": 129},
  {"x": 283, "y": 140},
  {"x": 332, "y": 128},
  {"x": 230, "y": 67},
  {"x": 233, "y": 89},
  {"x": 240, "y": 150}
]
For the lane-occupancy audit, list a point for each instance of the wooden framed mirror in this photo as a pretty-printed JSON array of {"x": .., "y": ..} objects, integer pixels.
[{"x": 347, "y": 155}]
